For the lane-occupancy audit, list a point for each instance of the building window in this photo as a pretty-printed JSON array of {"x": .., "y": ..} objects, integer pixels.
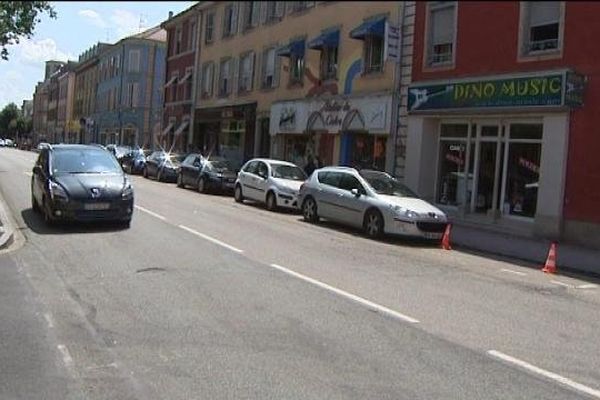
[
  {"x": 131, "y": 98},
  {"x": 373, "y": 46},
  {"x": 270, "y": 69},
  {"x": 210, "y": 27},
  {"x": 329, "y": 63},
  {"x": 541, "y": 26},
  {"x": 275, "y": 10},
  {"x": 441, "y": 26},
  {"x": 208, "y": 71},
  {"x": 230, "y": 20},
  {"x": 225, "y": 77},
  {"x": 178, "y": 38},
  {"x": 192, "y": 36},
  {"x": 134, "y": 61},
  {"x": 117, "y": 65},
  {"x": 251, "y": 14},
  {"x": 173, "y": 87},
  {"x": 246, "y": 72},
  {"x": 298, "y": 6}
]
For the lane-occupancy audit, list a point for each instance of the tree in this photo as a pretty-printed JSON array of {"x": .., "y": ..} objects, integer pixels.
[
  {"x": 8, "y": 120},
  {"x": 18, "y": 19}
]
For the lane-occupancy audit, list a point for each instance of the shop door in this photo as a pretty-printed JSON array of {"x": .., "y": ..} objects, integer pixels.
[{"x": 488, "y": 164}]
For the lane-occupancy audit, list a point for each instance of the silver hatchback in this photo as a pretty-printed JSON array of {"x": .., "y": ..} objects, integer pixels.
[{"x": 371, "y": 200}]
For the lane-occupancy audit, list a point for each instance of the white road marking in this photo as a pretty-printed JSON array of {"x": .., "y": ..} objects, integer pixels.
[
  {"x": 65, "y": 354},
  {"x": 210, "y": 239},
  {"x": 587, "y": 286},
  {"x": 551, "y": 375},
  {"x": 363, "y": 301},
  {"x": 150, "y": 212},
  {"x": 28, "y": 173},
  {"x": 510, "y": 271},
  {"x": 561, "y": 284},
  {"x": 49, "y": 320}
]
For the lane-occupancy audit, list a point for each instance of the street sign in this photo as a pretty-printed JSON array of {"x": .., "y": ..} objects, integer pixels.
[{"x": 392, "y": 39}]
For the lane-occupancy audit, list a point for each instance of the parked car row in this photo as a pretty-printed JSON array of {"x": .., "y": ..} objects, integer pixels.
[
  {"x": 371, "y": 200},
  {"x": 7, "y": 143}
]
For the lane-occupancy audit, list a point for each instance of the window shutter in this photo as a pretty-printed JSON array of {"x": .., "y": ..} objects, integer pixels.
[
  {"x": 263, "y": 12},
  {"x": 135, "y": 95},
  {"x": 290, "y": 6},
  {"x": 280, "y": 8},
  {"x": 126, "y": 96},
  {"x": 225, "y": 17},
  {"x": 256, "y": 8},
  {"x": 260, "y": 69},
  {"x": 252, "y": 60},
  {"x": 234, "y": 74},
  {"x": 543, "y": 12},
  {"x": 277, "y": 69},
  {"x": 234, "y": 18},
  {"x": 442, "y": 25},
  {"x": 210, "y": 79}
]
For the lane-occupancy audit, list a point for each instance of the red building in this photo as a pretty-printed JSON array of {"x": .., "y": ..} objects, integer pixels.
[
  {"x": 502, "y": 115},
  {"x": 182, "y": 37}
]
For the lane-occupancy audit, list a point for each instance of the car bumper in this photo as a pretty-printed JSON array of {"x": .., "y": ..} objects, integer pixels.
[
  {"x": 169, "y": 174},
  {"x": 109, "y": 210},
  {"x": 433, "y": 230},
  {"x": 286, "y": 200},
  {"x": 222, "y": 184}
]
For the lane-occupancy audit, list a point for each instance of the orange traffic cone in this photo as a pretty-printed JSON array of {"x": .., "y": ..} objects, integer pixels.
[
  {"x": 550, "y": 266},
  {"x": 446, "y": 238}
]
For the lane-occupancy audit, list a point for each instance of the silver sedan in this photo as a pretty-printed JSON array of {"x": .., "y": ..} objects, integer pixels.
[{"x": 371, "y": 200}]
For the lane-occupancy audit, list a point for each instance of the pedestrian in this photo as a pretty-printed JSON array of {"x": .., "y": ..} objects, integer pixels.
[{"x": 310, "y": 166}]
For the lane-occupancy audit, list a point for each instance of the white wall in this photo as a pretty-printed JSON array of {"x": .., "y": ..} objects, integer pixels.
[{"x": 421, "y": 155}]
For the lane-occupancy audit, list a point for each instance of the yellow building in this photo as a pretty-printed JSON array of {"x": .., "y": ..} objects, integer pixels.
[{"x": 293, "y": 80}]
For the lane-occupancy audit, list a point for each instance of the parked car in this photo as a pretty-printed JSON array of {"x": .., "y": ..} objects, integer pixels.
[
  {"x": 162, "y": 165},
  {"x": 134, "y": 161},
  {"x": 372, "y": 200},
  {"x": 273, "y": 182},
  {"x": 213, "y": 174},
  {"x": 2, "y": 143},
  {"x": 80, "y": 182}
]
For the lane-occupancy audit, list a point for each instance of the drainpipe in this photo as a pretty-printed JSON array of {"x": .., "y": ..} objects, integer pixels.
[
  {"x": 397, "y": 90},
  {"x": 195, "y": 76},
  {"x": 122, "y": 71}
]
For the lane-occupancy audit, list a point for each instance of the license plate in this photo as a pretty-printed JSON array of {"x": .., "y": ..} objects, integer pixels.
[
  {"x": 96, "y": 206},
  {"x": 432, "y": 235}
]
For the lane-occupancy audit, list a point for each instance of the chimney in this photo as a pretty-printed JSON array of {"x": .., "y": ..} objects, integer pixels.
[{"x": 170, "y": 14}]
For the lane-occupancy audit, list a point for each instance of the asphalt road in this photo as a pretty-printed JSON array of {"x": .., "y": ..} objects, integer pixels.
[{"x": 204, "y": 298}]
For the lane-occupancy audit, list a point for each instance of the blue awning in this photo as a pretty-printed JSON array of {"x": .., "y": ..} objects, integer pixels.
[
  {"x": 293, "y": 49},
  {"x": 326, "y": 39},
  {"x": 374, "y": 27}
]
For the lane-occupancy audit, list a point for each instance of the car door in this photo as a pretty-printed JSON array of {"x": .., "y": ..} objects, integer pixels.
[
  {"x": 261, "y": 180},
  {"x": 247, "y": 179},
  {"x": 350, "y": 208},
  {"x": 187, "y": 168},
  {"x": 39, "y": 176},
  {"x": 326, "y": 192}
]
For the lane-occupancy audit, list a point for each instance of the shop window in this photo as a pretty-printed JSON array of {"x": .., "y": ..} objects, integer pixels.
[
  {"x": 441, "y": 26},
  {"x": 209, "y": 29},
  {"x": 452, "y": 156},
  {"x": 541, "y": 22},
  {"x": 295, "y": 149},
  {"x": 329, "y": 63},
  {"x": 230, "y": 20},
  {"x": 368, "y": 151}
]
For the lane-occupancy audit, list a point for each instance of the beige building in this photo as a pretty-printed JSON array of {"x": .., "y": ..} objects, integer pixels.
[
  {"x": 298, "y": 79},
  {"x": 67, "y": 127}
]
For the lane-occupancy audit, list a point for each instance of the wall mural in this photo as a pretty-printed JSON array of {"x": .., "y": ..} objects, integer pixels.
[{"x": 318, "y": 88}]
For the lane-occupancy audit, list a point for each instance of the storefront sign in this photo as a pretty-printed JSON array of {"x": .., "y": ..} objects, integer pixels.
[{"x": 550, "y": 89}]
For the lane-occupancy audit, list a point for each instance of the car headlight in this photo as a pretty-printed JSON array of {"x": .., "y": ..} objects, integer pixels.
[
  {"x": 286, "y": 190},
  {"x": 57, "y": 192},
  {"x": 404, "y": 212},
  {"x": 127, "y": 192}
]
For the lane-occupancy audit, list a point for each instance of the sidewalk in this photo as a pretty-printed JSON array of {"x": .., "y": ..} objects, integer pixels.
[{"x": 569, "y": 257}]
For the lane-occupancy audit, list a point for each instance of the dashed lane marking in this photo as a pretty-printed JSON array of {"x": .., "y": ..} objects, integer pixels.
[
  {"x": 562, "y": 284},
  {"x": 353, "y": 297},
  {"x": 210, "y": 239},
  {"x": 49, "y": 320},
  {"x": 65, "y": 355},
  {"x": 510, "y": 271},
  {"x": 151, "y": 213},
  {"x": 551, "y": 375}
]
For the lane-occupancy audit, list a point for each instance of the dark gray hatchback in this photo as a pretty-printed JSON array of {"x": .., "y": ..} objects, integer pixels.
[{"x": 81, "y": 183}]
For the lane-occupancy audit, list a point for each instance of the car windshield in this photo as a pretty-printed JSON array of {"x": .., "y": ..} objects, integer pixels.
[
  {"x": 284, "y": 171},
  {"x": 219, "y": 165},
  {"x": 122, "y": 150},
  {"x": 84, "y": 161},
  {"x": 174, "y": 159},
  {"x": 383, "y": 183}
]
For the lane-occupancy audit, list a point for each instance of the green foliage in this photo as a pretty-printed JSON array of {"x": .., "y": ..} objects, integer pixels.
[
  {"x": 10, "y": 120},
  {"x": 18, "y": 19}
]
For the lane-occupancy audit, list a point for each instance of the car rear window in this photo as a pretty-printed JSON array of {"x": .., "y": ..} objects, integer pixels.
[{"x": 330, "y": 178}]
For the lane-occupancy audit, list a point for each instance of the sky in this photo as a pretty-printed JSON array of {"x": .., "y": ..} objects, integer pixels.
[{"x": 78, "y": 26}]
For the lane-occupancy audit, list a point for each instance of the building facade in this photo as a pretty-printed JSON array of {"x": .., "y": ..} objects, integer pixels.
[
  {"x": 129, "y": 93},
  {"x": 67, "y": 128},
  {"x": 179, "y": 79},
  {"x": 40, "y": 112},
  {"x": 500, "y": 131},
  {"x": 294, "y": 80}
]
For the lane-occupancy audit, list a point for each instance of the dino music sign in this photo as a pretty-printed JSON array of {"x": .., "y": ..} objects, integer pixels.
[{"x": 554, "y": 89}]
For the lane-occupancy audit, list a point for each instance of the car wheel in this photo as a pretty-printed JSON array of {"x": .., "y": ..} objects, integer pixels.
[
  {"x": 145, "y": 172},
  {"x": 159, "y": 176},
  {"x": 47, "y": 218},
  {"x": 373, "y": 224},
  {"x": 309, "y": 210},
  {"x": 201, "y": 185},
  {"x": 34, "y": 204},
  {"x": 237, "y": 194},
  {"x": 126, "y": 224},
  {"x": 179, "y": 180},
  {"x": 271, "y": 202}
]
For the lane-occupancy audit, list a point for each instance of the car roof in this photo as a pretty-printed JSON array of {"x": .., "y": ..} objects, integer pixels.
[
  {"x": 338, "y": 169},
  {"x": 273, "y": 161},
  {"x": 72, "y": 147}
]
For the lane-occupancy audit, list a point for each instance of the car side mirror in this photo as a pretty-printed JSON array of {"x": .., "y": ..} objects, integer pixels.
[
  {"x": 355, "y": 192},
  {"x": 37, "y": 169}
]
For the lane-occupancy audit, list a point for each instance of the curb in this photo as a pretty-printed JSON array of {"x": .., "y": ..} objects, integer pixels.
[{"x": 6, "y": 228}]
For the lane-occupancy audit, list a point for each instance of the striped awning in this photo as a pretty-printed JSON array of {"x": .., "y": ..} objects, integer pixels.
[{"x": 375, "y": 27}]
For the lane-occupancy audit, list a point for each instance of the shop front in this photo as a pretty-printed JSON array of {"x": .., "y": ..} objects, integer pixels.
[
  {"x": 226, "y": 131},
  {"x": 341, "y": 130},
  {"x": 494, "y": 150}
]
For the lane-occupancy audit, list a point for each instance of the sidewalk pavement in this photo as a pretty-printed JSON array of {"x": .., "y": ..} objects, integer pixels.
[{"x": 571, "y": 258}]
